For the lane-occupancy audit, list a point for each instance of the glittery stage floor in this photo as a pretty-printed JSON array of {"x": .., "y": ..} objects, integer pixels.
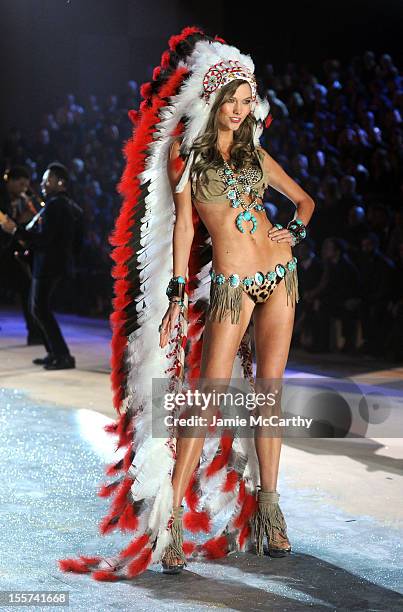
[{"x": 342, "y": 504}]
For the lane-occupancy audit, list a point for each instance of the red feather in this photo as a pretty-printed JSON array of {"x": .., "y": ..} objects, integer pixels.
[
  {"x": 245, "y": 531},
  {"x": 108, "y": 489},
  {"x": 216, "y": 547},
  {"x": 241, "y": 492},
  {"x": 125, "y": 439},
  {"x": 122, "y": 285},
  {"x": 107, "y": 524},
  {"x": 156, "y": 72},
  {"x": 144, "y": 106},
  {"x": 128, "y": 458},
  {"x": 177, "y": 164},
  {"x": 105, "y": 576},
  {"x": 188, "y": 547},
  {"x": 179, "y": 129},
  {"x": 176, "y": 39},
  {"x": 191, "y": 495},
  {"x": 133, "y": 116},
  {"x": 117, "y": 320},
  {"x": 165, "y": 57},
  {"x": 121, "y": 301},
  {"x": 73, "y": 565},
  {"x": 124, "y": 430},
  {"x": 145, "y": 90},
  {"x": 128, "y": 520},
  {"x": 248, "y": 508},
  {"x": 110, "y": 428},
  {"x": 120, "y": 499},
  {"x": 230, "y": 481},
  {"x": 91, "y": 560},
  {"x": 120, "y": 271},
  {"x": 221, "y": 460},
  {"x": 139, "y": 565},
  {"x": 197, "y": 521},
  {"x": 113, "y": 468},
  {"x": 121, "y": 254},
  {"x": 136, "y": 546}
]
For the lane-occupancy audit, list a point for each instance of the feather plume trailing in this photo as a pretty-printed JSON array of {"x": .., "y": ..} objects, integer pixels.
[{"x": 225, "y": 481}]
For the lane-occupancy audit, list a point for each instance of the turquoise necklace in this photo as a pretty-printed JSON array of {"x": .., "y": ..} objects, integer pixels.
[{"x": 242, "y": 184}]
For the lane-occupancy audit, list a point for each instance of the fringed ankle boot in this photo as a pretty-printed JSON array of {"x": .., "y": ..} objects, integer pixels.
[
  {"x": 174, "y": 560},
  {"x": 269, "y": 521}
]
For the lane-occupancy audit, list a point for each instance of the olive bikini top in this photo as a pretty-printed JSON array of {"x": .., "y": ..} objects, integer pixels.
[{"x": 215, "y": 189}]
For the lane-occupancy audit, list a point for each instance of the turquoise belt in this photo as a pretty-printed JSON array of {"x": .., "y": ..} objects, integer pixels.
[{"x": 235, "y": 280}]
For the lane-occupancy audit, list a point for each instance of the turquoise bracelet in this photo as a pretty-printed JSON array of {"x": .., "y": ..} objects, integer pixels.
[
  {"x": 176, "y": 287},
  {"x": 181, "y": 303},
  {"x": 297, "y": 230}
]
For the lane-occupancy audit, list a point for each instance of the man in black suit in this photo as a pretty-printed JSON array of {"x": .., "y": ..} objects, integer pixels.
[{"x": 54, "y": 235}]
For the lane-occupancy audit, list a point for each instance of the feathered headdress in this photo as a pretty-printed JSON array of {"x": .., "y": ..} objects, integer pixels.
[{"x": 176, "y": 102}]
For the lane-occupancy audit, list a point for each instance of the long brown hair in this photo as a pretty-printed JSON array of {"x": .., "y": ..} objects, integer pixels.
[{"x": 243, "y": 152}]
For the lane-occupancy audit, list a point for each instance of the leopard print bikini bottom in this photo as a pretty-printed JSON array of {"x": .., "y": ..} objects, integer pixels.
[{"x": 226, "y": 292}]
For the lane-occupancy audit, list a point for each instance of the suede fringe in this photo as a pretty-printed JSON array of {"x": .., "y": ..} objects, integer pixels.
[
  {"x": 224, "y": 299},
  {"x": 268, "y": 519},
  {"x": 174, "y": 550},
  {"x": 291, "y": 285}
]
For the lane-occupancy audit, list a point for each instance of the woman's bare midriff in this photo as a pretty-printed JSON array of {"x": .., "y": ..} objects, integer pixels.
[{"x": 242, "y": 253}]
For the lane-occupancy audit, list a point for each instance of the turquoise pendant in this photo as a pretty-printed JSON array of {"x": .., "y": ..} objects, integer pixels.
[
  {"x": 246, "y": 216},
  {"x": 235, "y": 198}
]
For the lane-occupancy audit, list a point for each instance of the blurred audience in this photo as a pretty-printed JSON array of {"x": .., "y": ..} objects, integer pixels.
[
  {"x": 339, "y": 134},
  {"x": 337, "y": 294}
]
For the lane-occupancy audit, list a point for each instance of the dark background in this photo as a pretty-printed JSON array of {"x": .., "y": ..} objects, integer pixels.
[{"x": 50, "y": 47}]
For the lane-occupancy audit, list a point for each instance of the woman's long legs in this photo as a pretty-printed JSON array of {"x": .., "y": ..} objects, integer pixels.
[
  {"x": 273, "y": 325},
  {"x": 220, "y": 345}
]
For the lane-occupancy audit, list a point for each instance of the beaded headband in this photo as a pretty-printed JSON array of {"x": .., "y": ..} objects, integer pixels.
[{"x": 224, "y": 72}]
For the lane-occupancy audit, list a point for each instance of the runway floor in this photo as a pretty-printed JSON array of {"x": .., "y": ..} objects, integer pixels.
[{"x": 342, "y": 499}]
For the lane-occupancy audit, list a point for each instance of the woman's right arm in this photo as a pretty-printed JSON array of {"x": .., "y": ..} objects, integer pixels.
[
  {"x": 183, "y": 229},
  {"x": 183, "y": 233}
]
